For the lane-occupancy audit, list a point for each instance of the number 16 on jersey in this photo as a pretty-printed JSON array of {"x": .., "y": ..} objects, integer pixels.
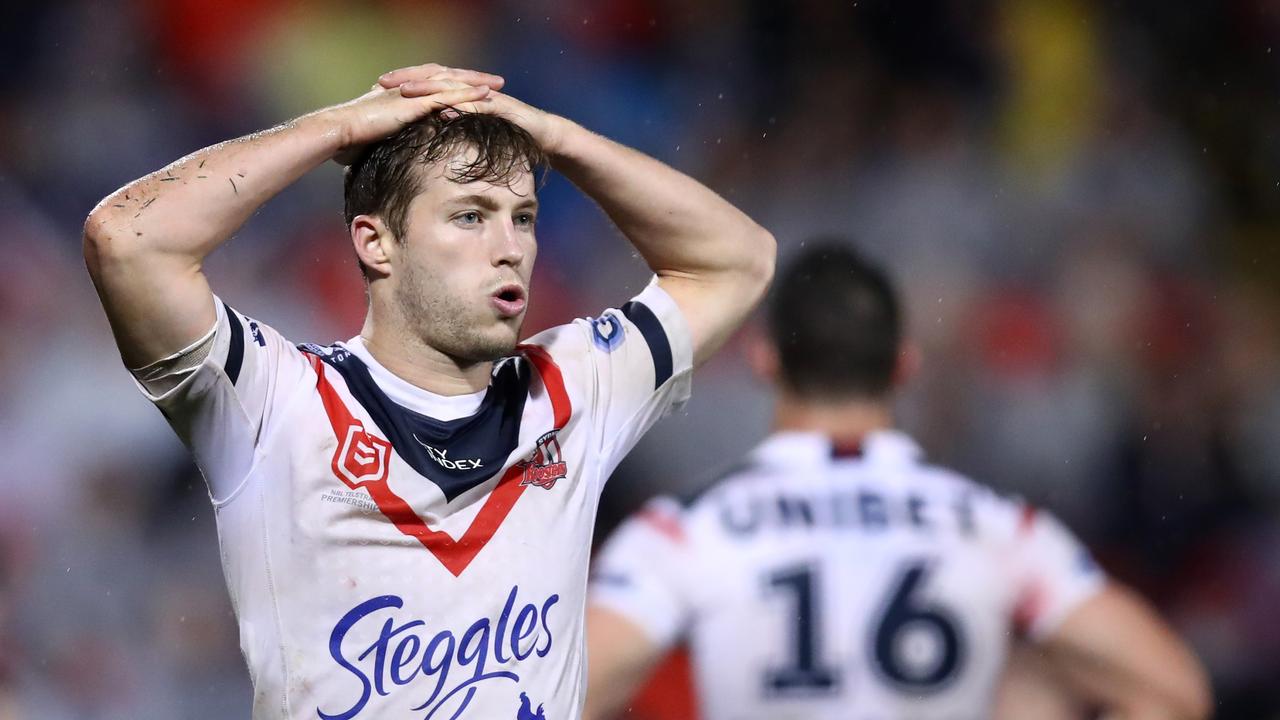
[{"x": 914, "y": 646}]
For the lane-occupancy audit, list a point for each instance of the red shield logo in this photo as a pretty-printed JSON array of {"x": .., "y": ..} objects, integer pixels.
[{"x": 362, "y": 458}]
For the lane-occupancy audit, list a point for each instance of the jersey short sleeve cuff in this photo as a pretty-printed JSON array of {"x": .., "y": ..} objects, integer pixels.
[
  {"x": 1067, "y": 598},
  {"x": 656, "y": 617},
  {"x": 658, "y": 317},
  {"x": 176, "y": 374},
  {"x": 1062, "y": 575}
]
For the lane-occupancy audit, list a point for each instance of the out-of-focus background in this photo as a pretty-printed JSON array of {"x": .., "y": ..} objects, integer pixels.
[{"x": 1080, "y": 200}]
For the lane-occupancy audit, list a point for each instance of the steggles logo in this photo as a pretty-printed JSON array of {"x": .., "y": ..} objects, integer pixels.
[{"x": 546, "y": 466}]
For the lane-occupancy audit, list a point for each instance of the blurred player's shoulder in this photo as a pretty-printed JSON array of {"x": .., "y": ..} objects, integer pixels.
[{"x": 802, "y": 482}]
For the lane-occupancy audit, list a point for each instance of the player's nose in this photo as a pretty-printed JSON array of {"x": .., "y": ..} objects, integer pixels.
[{"x": 508, "y": 246}]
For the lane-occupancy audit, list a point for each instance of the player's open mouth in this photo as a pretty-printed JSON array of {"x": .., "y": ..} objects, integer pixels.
[{"x": 509, "y": 300}]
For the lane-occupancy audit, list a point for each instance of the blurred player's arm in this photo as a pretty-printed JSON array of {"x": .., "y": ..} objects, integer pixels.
[
  {"x": 1108, "y": 647},
  {"x": 708, "y": 255},
  {"x": 641, "y": 598},
  {"x": 145, "y": 243},
  {"x": 620, "y": 658},
  {"x": 1114, "y": 652},
  {"x": 1030, "y": 689}
]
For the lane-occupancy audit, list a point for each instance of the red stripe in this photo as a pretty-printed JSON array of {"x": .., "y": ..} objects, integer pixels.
[
  {"x": 663, "y": 523},
  {"x": 552, "y": 380},
  {"x": 1027, "y": 610},
  {"x": 454, "y": 555},
  {"x": 1028, "y": 520}
]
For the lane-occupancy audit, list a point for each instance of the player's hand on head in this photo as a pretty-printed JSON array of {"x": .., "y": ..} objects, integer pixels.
[
  {"x": 421, "y": 81},
  {"x": 547, "y": 129},
  {"x": 433, "y": 71},
  {"x": 384, "y": 110}
]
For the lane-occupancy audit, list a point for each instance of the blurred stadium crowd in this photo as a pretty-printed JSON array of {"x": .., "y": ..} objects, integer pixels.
[{"x": 1080, "y": 200}]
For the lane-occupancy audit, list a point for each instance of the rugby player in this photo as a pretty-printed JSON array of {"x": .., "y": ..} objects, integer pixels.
[
  {"x": 405, "y": 517},
  {"x": 835, "y": 573}
]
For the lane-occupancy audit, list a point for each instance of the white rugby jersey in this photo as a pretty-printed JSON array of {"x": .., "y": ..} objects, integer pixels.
[
  {"x": 393, "y": 553},
  {"x": 857, "y": 583}
]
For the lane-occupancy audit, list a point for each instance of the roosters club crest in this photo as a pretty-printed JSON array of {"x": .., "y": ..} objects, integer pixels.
[{"x": 547, "y": 464}]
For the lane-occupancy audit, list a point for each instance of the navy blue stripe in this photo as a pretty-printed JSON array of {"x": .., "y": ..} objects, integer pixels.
[
  {"x": 478, "y": 444},
  {"x": 235, "y": 353},
  {"x": 654, "y": 336}
]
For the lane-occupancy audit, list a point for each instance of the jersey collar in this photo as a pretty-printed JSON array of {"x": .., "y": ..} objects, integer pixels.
[
  {"x": 812, "y": 448},
  {"x": 406, "y": 394}
]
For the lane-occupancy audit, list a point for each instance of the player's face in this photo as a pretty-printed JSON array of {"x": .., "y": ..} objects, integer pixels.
[{"x": 463, "y": 275}]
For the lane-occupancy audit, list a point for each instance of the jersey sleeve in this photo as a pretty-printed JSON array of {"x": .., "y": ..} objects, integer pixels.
[
  {"x": 632, "y": 365},
  {"x": 220, "y": 393},
  {"x": 1057, "y": 574},
  {"x": 643, "y": 573}
]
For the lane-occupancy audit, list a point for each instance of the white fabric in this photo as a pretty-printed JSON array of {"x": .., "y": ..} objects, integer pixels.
[
  {"x": 891, "y": 553},
  {"x": 167, "y": 373},
  {"x": 344, "y": 615}
]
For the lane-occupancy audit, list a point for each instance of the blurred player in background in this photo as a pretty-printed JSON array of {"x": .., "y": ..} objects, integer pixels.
[
  {"x": 834, "y": 573},
  {"x": 405, "y": 517}
]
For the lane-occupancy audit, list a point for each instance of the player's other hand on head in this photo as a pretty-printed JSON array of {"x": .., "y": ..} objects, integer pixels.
[
  {"x": 435, "y": 72},
  {"x": 546, "y": 129},
  {"x": 385, "y": 109}
]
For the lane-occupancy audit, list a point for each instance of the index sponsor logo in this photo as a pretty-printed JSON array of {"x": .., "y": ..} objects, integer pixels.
[{"x": 441, "y": 457}]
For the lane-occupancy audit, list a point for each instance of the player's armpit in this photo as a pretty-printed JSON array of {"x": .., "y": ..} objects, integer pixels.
[
  {"x": 712, "y": 308},
  {"x": 1115, "y": 651},
  {"x": 620, "y": 657}
]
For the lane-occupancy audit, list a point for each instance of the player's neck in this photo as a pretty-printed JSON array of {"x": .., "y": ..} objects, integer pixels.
[
  {"x": 844, "y": 421},
  {"x": 421, "y": 365}
]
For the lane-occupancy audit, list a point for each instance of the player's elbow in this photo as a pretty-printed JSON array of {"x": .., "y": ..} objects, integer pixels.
[
  {"x": 1195, "y": 699},
  {"x": 113, "y": 239},
  {"x": 1166, "y": 709},
  {"x": 105, "y": 239},
  {"x": 1186, "y": 697},
  {"x": 760, "y": 260},
  {"x": 1190, "y": 695}
]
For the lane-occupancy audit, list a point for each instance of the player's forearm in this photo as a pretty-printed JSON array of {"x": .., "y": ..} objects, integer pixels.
[
  {"x": 187, "y": 209},
  {"x": 680, "y": 227}
]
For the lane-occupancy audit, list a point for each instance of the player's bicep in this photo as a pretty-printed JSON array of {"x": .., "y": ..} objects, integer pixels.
[
  {"x": 157, "y": 304},
  {"x": 1030, "y": 688},
  {"x": 713, "y": 312},
  {"x": 1115, "y": 650}
]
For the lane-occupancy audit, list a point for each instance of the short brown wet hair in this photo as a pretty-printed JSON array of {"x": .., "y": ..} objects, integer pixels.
[{"x": 384, "y": 179}]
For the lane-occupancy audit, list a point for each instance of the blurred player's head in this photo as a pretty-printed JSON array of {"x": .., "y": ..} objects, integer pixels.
[
  {"x": 442, "y": 218},
  {"x": 835, "y": 326}
]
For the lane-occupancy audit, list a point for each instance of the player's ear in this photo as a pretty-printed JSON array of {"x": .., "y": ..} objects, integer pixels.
[
  {"x": 374, "y": 244},
  {"x": 908, "y": 363},
  {"x": 761, "y": 354}
]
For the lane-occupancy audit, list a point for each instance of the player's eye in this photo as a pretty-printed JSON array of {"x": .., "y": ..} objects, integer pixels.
[
  {"x": 526, "y": 220},
  {"x": 470, "y": 217}
]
